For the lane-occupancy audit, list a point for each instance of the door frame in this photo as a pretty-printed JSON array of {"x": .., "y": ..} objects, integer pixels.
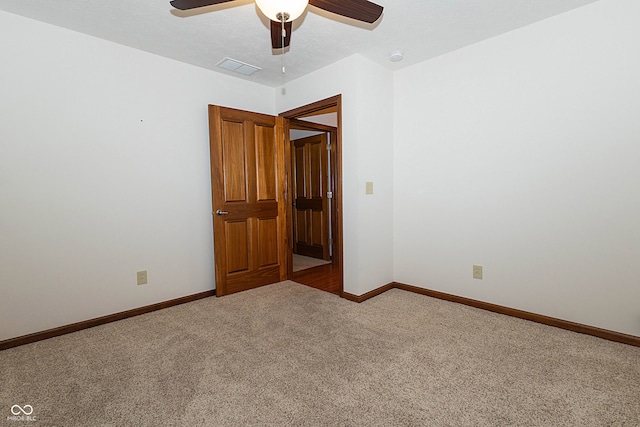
[
  {"x": 332, "y": 104},
  {"x": 327, "y": 184}
]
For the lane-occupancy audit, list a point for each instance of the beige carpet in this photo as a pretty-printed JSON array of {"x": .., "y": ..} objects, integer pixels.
[
  {"x": 287, "y": 354},
  {"x": 301, "y": 262}
]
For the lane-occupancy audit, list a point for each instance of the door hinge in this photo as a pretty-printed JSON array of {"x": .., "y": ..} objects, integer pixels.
[{"x": 329, "y": 195}]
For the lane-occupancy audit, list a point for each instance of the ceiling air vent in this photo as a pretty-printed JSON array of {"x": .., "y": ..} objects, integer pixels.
[{"x": 238, "y": 66}]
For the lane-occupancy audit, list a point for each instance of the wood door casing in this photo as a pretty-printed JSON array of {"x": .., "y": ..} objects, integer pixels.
[
  {"x": 248, "y": 185},
  {"x": 333, "y": 105},
  {"x": 309, "y": 162}
]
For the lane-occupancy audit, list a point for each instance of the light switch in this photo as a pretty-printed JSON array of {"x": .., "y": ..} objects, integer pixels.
[
  {"x": 369, "y": 188},
  {"x": 142, "y": 277},
  {"x": 477, "y": 272}
]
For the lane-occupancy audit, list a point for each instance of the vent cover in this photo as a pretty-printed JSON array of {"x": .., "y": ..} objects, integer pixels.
[{"x": 238, "y": 66}]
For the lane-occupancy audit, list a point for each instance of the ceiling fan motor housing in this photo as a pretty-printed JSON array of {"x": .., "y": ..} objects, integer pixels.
[{"x": 278, "y": 9}]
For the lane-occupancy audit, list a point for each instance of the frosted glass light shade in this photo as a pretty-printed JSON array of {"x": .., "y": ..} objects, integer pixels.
[{"x": 271, "y": 8}]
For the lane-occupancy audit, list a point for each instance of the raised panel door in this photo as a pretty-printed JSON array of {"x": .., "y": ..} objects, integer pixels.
[{"x": 247, "y": 190}]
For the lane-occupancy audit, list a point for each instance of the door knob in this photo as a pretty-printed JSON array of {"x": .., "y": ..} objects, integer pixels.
[{"x": 221, "y": 212}]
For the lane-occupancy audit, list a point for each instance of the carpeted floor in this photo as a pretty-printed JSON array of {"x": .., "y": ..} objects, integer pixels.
[{"x": 287, "y": 354}]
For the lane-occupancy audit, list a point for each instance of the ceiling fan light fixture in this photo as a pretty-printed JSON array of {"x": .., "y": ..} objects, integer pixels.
[{"x": 276, "y": 9}]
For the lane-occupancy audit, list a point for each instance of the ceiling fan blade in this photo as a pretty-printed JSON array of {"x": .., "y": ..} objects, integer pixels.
[
  {"x": 193, "y": 4},
  {"x": 362, "y": 10},
  {"x": 276, "y": 34}
]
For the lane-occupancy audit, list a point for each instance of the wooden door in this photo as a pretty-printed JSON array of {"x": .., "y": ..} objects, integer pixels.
[
  {"x": 248, "y": 196},
  {"x": 309, "y": 160}
]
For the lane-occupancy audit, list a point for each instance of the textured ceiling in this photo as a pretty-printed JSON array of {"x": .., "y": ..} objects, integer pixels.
[{"x": 423, "y": 29}]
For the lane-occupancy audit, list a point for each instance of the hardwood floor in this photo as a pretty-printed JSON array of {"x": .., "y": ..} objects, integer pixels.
[{"x": 324, "y": 277}]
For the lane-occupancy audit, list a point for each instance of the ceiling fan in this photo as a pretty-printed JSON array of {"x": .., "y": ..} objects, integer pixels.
[{"x": 283, "y": 12}]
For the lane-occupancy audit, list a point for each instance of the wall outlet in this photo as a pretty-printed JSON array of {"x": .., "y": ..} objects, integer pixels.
[
  {"x": 142, "y": 277},
  {"x": 477, "y": 272}
]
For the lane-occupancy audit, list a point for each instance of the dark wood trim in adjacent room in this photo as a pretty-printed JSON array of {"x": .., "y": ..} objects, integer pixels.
[
  {"x": 62, "y": 330},
  {"x": 334, "y": 105},
  {"x": 538, "y": 318}
]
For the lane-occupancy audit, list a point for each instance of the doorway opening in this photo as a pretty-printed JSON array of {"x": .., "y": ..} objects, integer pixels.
[{"x": 315, "y": 195}]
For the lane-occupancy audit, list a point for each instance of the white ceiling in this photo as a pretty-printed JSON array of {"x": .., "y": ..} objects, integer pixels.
[{"x": 423, "y": 29}]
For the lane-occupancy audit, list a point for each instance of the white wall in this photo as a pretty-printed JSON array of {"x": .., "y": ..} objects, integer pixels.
[
  {"x": 521, "y": 153},
  {"x": 367, "y": 132},
  {"x": 104, "y": 171}
]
